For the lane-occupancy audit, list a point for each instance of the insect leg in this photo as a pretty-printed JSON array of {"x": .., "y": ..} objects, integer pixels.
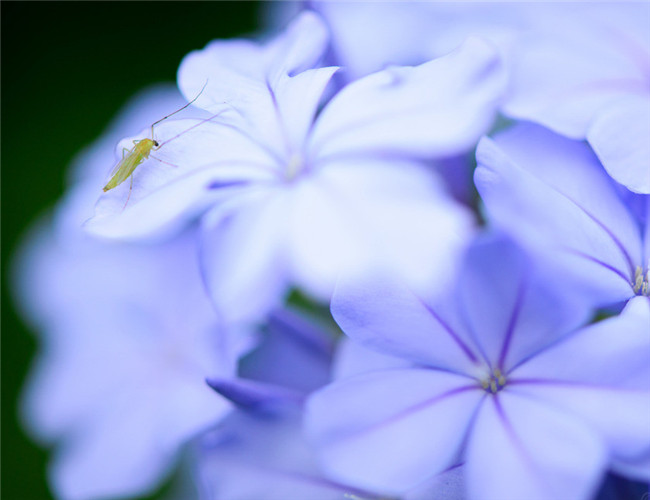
[
  {"x": 129, "y": 196},
  {"x": 163, "y": 161}
]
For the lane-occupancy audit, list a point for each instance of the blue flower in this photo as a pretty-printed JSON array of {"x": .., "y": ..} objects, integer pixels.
[
  {"x": 260, "y": 450},
  {"x": 590, "y": 78},
  {"x": 493, "y": 383},
  {"x": 287, "y": 195},
  {"x": 553, "y": 195},
  {"x": 127, "y": 338}
]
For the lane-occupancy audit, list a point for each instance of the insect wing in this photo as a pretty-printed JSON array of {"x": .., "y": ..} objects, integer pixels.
[{"x": 123, "y": 169}]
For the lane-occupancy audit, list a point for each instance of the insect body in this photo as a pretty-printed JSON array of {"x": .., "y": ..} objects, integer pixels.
[
  {"x": 139, "y": 153},
  {"x": 130, "y": 160}
]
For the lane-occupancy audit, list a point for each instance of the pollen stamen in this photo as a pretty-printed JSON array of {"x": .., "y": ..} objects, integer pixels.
[
  {"x": 494, "y": 382},
  {"x": 641, "y": 282},
  {"x": 294, "y": 167}
]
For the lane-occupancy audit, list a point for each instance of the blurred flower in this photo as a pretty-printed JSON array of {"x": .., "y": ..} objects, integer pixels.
[
  {"x": 127, "y": 338},
  {"x": 260, "y": 450},
  {"x": 553, "y": 195},
  {"x": 580, "y": 68},
  {"x": 370, "y": 36},
  {"x": 589, "y": 77},
  {"x": 290, "y": 198},
  {"x": 493, "y": 384}
]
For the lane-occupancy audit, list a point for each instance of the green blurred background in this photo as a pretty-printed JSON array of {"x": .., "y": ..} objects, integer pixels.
[{"x": 67, "y": 67}]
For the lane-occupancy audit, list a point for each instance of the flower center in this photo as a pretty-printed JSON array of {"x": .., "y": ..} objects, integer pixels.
[
  {"x": 494, "y": 382},
  {"x": 642, "y": 282},
  {"x": 294, "y": 167}
]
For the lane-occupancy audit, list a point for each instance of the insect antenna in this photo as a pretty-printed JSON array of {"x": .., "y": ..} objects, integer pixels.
[
  {"x": 179, "y": 109},
  {"x": 210, "y": 118}
]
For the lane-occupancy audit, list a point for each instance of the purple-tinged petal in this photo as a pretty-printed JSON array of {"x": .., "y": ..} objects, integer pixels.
[
  {"x": 615, "y": 353},
  {"x": 384, "y": 315},
  {"x": 554, "y": 197},
  {"x": 609, "y": 388},
  {"x": 129, "y": 447},
  {"x": 253, "y": 395},
  {"x": 521, "y": 449},
  {"x": 389, "y": 430},
  {"x": 295, "y": 352},
  {"x": 242, "y": 255},
  {"x": 619, "y": 136},
  {"x": 621, "y": 417},
  {"x": 509, "y": 306},
  {"x": 253, "y": 456},
  {"x": 448, "y": 485},
  {"x": 638, "y": 469},
  {"x": 354, "y": 358},
  {"x": 439, "y": 108}
]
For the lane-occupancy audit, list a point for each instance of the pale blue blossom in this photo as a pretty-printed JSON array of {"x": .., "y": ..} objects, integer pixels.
[
  {"x": 553, "y": 195},
  {"x": 580, "y": 68},
  {"x": 260, "y": 450},
  {"x": 589, "y": 78},
  {"x": 290, "y": 195},
  {"x": 127, "y": 337},
  {"x": 489, "y": 379}
]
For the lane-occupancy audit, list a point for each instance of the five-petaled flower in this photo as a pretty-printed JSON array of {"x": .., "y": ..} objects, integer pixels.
[
  {"x": 493, "y": 383},
  {"x": 289, "y": 195}
]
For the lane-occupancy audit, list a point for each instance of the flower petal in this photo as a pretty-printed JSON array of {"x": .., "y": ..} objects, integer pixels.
[
  {"x": 619, "y": 136},
  {"x": 364, "y": 215},
  {"x": 389, "y": 430},
  {"x": 204, "y": 162},
  {"x": 294, "y": 352},
  {"x": 609, "y": 388},
  {"x": 237, "y": 71},
  {"x": 366, "y": 37},
  {"x": 619, "y": 416},
  {"x": 436, "y": 109},
  {"x": 510, "y": 308},
  {"x": 564, "y": 78},
  {"x": 257, "y": 456},
  {"x": 254, "y": 80},
  {"x": 354, "y": 358},
  {"x": 114, "y": 456},
  {"x": 615, "y": 353},
  {"x": 384, "y": 315},
  {"x": 540, "y": 188},
  {"x": 522, "y": 449},
  {"x": 242, "y": 255}
]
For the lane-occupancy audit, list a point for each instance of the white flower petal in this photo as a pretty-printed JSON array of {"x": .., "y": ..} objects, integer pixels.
[
  {"x": 198, "y": 164},
  {"x": 252, "y": 79},
  {"x": 356, "y": 216},
  {"x": 243, "y": 256}
]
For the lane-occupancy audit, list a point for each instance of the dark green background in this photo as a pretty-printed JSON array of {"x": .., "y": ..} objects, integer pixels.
[{"x": 66, "y": 70}]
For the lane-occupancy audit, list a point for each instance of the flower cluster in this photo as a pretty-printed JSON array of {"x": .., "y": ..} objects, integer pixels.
[{"x": 466, "y": 187}]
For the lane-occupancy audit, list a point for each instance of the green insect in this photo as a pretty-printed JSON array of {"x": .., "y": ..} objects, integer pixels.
[
  {"x": 130, "y": 161},
  {"x": 132, "y": 158}
]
